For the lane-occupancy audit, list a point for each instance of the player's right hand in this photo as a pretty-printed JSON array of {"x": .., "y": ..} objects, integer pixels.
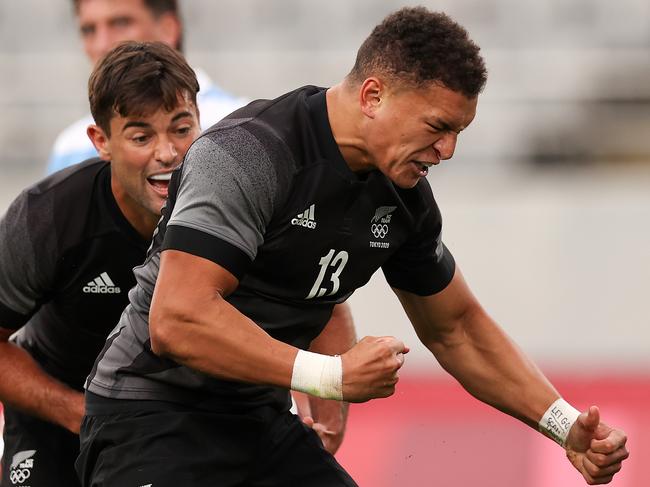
[
  {"x": 595, "y": 449},
  {"x": 370, "y": 368}
]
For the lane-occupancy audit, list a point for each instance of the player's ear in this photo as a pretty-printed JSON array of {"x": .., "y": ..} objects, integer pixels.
[
  {"x": 100, "y": 140},
  {"x": 370, "y": 96}
]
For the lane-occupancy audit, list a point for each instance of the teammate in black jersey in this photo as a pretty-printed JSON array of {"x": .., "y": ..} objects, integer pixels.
[
  {"x": 68, "y": 245},
  {"x": 279, "y": 212}
]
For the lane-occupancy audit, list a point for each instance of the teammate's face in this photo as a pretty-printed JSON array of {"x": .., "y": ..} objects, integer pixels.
[
  {"x": 411, "y": 129},
  {"x": 144, "y": 150},
  {"x": 105, "y": 23}
]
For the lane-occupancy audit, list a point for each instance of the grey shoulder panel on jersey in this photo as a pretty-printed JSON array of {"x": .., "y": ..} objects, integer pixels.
[
  {"x": 231, "y": 183},
  {"x": 27, "y": 254}
]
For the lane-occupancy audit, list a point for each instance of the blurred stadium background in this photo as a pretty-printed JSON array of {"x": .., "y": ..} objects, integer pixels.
[{"x": 546, "y": 205}]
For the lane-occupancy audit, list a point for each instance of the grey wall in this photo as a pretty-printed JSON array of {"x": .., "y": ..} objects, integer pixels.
[{"x": 546, "y": 202}]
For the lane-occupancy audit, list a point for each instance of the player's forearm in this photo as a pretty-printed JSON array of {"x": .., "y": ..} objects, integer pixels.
[
  {"x": 491, "y": 367},
  {"x": 25, "y": 386},
  {"x": 333, "y": 415},
  {"x": 338, "y": 336},
  {"x": 218, "y": 340}
]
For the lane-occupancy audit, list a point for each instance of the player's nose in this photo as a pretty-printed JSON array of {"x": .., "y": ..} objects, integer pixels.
[{"x": 166, "y": 152}]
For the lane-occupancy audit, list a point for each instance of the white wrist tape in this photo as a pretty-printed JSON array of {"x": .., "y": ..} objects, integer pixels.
[
  {"x": 557, "y": 421},
  {"x": 318, "y": 375}
]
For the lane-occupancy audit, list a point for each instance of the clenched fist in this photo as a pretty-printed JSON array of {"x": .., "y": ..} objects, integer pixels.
[
  {"x": 595, "y": 449},
  {"x": 370, "y": 368}
]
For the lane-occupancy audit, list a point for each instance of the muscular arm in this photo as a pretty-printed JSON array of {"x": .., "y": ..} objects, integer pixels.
[
  {"x": 25, "y": 386},
  {"x": 472, "y": 348},
  {"x": 475, "y": 350},
  {"x": 191, "y": 323}
]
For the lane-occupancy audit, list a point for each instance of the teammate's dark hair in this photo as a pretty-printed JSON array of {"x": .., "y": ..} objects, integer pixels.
[
  {"x": 138, "y": 78},
  {"x": 416, "y": 46},
  {"x": 158, "y": 8}
]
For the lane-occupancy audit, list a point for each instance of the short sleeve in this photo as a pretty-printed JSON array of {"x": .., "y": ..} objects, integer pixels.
[
  {"x": 27, "y": 265},
  {"x": 224, "y": 201},
  {"x": 423, "y": 265}
]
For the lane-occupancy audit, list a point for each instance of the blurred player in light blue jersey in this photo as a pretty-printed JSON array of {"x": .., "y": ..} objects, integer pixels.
[{"x": 105, "y": 23}]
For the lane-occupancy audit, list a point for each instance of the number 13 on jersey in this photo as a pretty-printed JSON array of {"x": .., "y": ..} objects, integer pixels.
[{"x": 331, "y": 265}]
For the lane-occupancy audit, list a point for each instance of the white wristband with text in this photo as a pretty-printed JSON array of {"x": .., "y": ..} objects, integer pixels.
[
  {"x": 557, "y": 421},
  {"x": 318, "y": 375}
]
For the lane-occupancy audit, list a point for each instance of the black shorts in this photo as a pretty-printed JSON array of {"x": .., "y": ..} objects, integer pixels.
[
  {"x": 37, "y": 453},
  {"x": 263, "y": 448}
]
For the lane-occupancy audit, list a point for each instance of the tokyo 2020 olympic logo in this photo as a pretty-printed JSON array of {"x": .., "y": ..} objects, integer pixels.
[{"x": 19, "y": 475}]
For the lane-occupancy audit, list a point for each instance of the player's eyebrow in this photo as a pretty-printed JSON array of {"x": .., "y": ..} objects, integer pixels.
[
  {"x": 139, "y": 124},
  {"x": 440, "y": 124},
  {"x": 181, "y": 115},
  {"x": 121, "y": 19},
  {"x": 135, "y": 123}
]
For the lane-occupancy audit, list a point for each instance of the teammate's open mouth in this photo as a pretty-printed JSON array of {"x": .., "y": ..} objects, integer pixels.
[{"x": 160, "y": 182}]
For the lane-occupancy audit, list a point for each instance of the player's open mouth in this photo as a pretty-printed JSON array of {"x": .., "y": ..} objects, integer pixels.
[
  {"x": 423, "y": 167},
  {"x": 160, "y": 182}
]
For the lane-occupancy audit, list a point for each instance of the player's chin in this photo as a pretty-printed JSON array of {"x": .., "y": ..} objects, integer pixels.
[
  {"x": 155, "y": 203},
  {"x": 406, "y": 181},
  {"x": 408, "y": 175}
]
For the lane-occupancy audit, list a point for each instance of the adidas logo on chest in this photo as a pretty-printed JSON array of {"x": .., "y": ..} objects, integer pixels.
[
  {"x": 102, "y": 284},
  {"x": 306, "y": 219}
]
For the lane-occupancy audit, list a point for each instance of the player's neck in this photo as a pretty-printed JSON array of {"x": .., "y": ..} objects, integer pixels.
[
  {"x": 345, "y": 120},
  {"x": 143, "y": 221}
]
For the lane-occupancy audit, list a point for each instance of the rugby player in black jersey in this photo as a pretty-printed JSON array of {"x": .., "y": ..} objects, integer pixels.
[
  {"x": 279, "y": 212},
  {"x": 68, "y": 245}
]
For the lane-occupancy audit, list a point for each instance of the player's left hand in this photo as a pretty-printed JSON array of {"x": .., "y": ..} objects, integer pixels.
[
  {"x": 596, "y": 449},
  {"x": 331, "y": 439},
  {"x": 331, "y": 427}
]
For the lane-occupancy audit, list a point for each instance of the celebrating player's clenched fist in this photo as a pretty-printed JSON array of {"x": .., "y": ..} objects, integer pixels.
[{"x": 370, "y": 368}]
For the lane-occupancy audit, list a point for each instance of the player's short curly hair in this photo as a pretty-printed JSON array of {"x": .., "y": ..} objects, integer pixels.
[
  {"x": 416, "y": 46},
  {"x": 138, "y": 78}
]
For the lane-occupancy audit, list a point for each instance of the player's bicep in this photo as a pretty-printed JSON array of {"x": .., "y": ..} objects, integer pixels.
[
  {"x": 189, "y": 276},
  {"x": 186, "y": 289}
]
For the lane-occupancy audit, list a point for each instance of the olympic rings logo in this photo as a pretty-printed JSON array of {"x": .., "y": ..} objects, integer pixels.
[
  {"x": 19, "y": 475},
  {"x": 379, "y": 230}
]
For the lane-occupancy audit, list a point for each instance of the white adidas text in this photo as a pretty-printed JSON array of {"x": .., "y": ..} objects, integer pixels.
[{"x": 102, "y": 284}]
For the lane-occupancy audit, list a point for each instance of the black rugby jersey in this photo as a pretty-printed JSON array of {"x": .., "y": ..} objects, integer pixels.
[
  {"x": 66, "y": 260},
  {"x": 266, "y": 194}
]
